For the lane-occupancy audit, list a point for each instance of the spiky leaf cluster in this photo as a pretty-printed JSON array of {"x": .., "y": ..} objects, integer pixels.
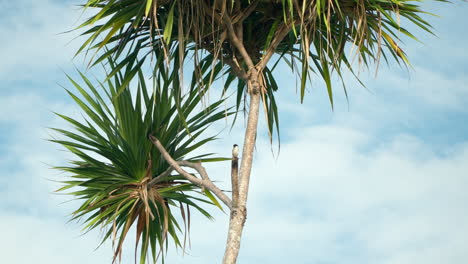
[
  {"x": 311, "y": 36},
  {"x": 120, "y": 177}
]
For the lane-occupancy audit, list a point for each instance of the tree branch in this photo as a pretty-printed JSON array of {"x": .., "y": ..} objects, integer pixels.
[
  {"x": 239, "y": 18},
  {"x": 235, "y": 176},
  {"x": 161, "y": 176},
  {"x": 204, "y": 182},
  {"x": 238, "y": 71},
  {"x": 239, "y": 212},
  {"x": 237, "y": 43},
  {"x": 279, "y": 36},
  {"x": 226, "y": 20}
]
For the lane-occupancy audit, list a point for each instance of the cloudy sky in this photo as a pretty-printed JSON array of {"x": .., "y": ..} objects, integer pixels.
[{"x": 380, "y": 180}]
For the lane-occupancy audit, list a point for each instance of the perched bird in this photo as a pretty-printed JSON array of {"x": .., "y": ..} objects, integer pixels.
[{"x": 235, "y": 150}]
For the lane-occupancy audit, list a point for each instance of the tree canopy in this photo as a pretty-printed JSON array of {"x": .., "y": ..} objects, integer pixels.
[
  {"x": 240, "y": 40},
  {"x": 230, "y": 38}
]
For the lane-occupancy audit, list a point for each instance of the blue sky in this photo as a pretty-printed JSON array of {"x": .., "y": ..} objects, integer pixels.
[{"x": 382, "y": 182}]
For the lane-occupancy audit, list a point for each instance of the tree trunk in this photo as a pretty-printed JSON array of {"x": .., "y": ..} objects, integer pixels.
[{"x": 239, "y": 210}]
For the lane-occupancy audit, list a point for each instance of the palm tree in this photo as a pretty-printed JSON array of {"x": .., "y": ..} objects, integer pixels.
[
  {"x": 245, "y": 40},
  {"x": 121, "y": 177}
]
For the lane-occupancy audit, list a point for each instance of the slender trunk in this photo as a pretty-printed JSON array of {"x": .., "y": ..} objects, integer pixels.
[{"x": 239, "y": 210}]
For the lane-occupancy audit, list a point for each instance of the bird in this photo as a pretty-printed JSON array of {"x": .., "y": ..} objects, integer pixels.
[{"x": 235, "y": 150}]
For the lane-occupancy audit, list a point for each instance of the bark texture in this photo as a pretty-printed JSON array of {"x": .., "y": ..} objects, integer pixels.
[{"x": 239, "y": 211}]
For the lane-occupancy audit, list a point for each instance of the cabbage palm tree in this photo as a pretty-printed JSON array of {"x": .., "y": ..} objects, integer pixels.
[{"x": 244, "y": 40}]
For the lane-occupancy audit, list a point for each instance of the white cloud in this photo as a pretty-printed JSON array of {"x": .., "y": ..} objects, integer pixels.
[
  {"x": 32, "y": 239},
  {"x": 27, "y": 155},
  {"x": 395, "y": 201},
  {"x": 33, "y": 43},
  {"x": 428, "y": 87}
]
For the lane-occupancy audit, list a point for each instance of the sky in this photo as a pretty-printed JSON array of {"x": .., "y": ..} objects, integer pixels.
[{"x": 381, "y": 179}]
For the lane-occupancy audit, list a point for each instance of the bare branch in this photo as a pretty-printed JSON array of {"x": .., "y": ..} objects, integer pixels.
[
  {"x": 161, "y": 177},
  {"x": 235, "y": 176},
  {"x": 236, "y": 42},
  {"x": 204, "y": 182},
  {"x": 239, "y": 18},
  {"x": 226, "y": 20},
  {"x": 237, "y": 69},
  {"x": 283, "y": 30}
]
